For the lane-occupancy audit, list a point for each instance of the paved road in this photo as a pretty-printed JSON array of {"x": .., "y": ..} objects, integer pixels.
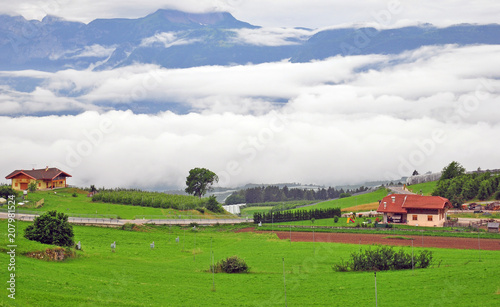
[
  {"x": 119, "y": 222},
  {"x": 399, "y": 190}
]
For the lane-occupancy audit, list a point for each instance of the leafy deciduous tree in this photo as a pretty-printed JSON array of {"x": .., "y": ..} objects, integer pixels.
[
  {"x": 199, "y": 181},
  {"x": 454, "y": 169}
]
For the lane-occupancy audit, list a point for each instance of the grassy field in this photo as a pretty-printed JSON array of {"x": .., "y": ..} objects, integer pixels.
[
  {"x": 494, "y": 215},
  {"x": 352, "y": 201},
  {"x": 175, "y": 274},
  {"x": 361, "y": 208},
  {"x": 63, "y": 201},
  {"x": 426, "y": 187},
  {"x": 249, "y": 211}
]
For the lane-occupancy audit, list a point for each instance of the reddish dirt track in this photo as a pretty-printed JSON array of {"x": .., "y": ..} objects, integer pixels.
[{"x": 354, "y": 238}]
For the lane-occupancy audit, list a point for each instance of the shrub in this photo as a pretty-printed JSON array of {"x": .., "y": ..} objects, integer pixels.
[
  {"x": 384, "y": 258},
  {"x": 341, "y": 266},
  {"x": 336, "y": 219},
  {"x": 497, "y": 195},
  {"x": 200, "y": 209},
  {"x": 51, "y": 228},
  {"x": 424, "y": 259},
  {"x": 213, "y": 205},
  {"x": 128, "y": 226},
  {"x": 74, "y": 195},
  {"x": 32, "y": 187},
  {"x": 6, "y": 191},
  {"x": 193, "y": 224},
  {"x": 231, "y": 265}
]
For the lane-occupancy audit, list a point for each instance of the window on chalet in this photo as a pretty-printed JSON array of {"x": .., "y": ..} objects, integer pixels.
[
  {"x": 429, "y": 218},
  {"x": 414, "y": 217}
]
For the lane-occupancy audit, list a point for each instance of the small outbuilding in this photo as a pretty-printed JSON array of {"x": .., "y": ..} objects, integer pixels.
[{"x": 493, "y": 227}]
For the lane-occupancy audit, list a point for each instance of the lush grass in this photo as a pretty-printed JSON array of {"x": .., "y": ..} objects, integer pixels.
[
  {"x": 494, "y": 215},
  {"x": 350, "y": 201},
  {"x": 251, "y": 210},
  {"x": 426, "y": 187},
  {"x": 135, "y": 275},
  {"x": 342, "y": 222},
  {"x": 63, "y": 201}
]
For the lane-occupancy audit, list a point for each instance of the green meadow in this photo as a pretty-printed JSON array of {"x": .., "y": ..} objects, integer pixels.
[
  {"x": 249, "y": 211},
  {"x": 426, "y": 188},
  {"x": 64, "y": 201},
  {"x": 350, "y": 201},
  {"x": 177, "y": 274}
]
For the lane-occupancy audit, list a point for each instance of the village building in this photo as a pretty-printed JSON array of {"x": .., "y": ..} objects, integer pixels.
[
  {"x": 46, "y": 178},
  {"x": 414, "y": 210}
]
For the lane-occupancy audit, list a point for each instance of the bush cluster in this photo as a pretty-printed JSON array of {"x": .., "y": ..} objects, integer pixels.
[
  {"x": 231, "y": 265},
  {"x": 51, "y": 228},
  {"x": 6, "y": 191},
  {"x": 384, "y": 258}
]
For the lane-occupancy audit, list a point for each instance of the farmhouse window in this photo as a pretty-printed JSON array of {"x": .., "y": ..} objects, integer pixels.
[
  {"x": 415, "y": 217},
  {"x": 429, "y": 218},
  {"x": 16, "y": 184}
]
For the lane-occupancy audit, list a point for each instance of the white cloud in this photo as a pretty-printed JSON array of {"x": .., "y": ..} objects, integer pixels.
[
  {"x": 88, "y": 51},
  {"x": 158, "y": 150},
  {"x": 168, "y": 39},
  {"x": 431, "y": 81},
  {"x": 341, "y": 120},
  {"x": 95, "y": 51},
  {"x": 272, "y": 36}
]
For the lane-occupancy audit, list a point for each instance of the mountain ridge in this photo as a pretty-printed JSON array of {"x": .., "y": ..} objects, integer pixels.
[{"x": 176, "y": 39}]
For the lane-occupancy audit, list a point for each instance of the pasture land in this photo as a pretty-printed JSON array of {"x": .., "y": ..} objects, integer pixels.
[
  {"x": 352, "y": 201},
  {"x": 365, "y": 207},
  {"x": 426, "y": 187},
  {"x": 62, "y": 200},
  {"x": 249, "y": 211},
  {"x": 177, "y": 274}
]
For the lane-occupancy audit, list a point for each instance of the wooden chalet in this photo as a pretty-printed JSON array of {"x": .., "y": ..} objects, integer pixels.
[{"x": 46, "y": 178}]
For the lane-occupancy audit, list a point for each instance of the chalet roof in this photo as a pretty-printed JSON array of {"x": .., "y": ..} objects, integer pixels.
[
  {"x": 39, "y": 174},
  {"x": 399, "y": 203}
]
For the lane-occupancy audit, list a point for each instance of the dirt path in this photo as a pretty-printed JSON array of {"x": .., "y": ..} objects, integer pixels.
[{"x": 385, "y": 239}]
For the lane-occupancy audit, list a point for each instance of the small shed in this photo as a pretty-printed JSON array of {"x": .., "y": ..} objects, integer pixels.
[{"x": 493, "y": 227}]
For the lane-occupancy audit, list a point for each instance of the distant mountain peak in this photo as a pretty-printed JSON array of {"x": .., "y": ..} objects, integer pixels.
[
  {"x": 52, "y": 19},
  {"x": 222, "y": 19}
]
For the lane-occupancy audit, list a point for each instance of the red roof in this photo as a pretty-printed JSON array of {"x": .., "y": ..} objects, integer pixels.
[
  {"x": 39, "y": 174},
  {"x": 398, "y": 203}
]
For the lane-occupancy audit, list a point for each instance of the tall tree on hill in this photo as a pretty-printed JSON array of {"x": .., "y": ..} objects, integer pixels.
[
  {"x": 454, "y": 169},
  {"x": 200, "y": 181}
]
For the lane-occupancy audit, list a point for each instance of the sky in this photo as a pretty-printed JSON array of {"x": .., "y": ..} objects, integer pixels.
[{"x": 329, "y": 122}]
